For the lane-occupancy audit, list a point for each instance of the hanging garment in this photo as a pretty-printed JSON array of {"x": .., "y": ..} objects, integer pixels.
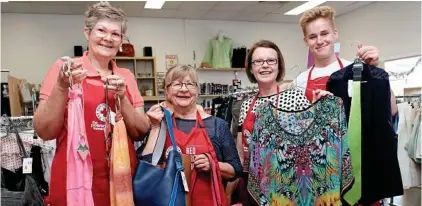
[
  {"x": 219, "y": 53},
  {"x": 47, "y": 159},
  {"x": 300, "y": 157},
  {"x": 317, "y": 83},
  {"x": 94, "y": 117},
  {"x": 222, "y": 108},
  {"x": 379, "y": 157},
  {"x": 78, "y": 158},
  {"x": 10, "y": 154},
  {"x": 239, "y": 57},
  {"x": 28, "y": 192},
  {"x": 37, "y": 170},
  {"x": 208, "y": 189},
  {"x": 410, "y": 171},
  {"x": 247, "y": 128},
  {"x": 5, "y": 102},
  {"x": 354, "y": 133},
  {"x": 235, "y": 116},
  {"x": 413, "y": 146},
  {"x": 120, "y": 171}
]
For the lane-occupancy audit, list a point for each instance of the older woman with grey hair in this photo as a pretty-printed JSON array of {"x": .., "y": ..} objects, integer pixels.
[
  {"x": 105, "y": 27},
  {"x": 206, "y": 139}
]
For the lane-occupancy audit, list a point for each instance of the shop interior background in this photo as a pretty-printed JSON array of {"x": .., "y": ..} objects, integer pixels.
[{"x": 35, "y": 34}]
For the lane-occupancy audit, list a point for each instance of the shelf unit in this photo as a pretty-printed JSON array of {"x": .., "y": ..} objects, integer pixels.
[
  {"x": 235, "y": 70},
  {"x": 222, "y": 69},
  {"x": 145, "y": 71}
]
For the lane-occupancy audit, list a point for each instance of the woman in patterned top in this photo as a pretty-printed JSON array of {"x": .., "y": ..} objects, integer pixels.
[{"x": 264, "y": 66}]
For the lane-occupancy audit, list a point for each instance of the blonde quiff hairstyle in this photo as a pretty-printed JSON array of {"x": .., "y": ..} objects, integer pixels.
[
  {"x": 104, "y": 10},
  {"x": 179, "y": 71},
  {"x": 325, "y": 12}
]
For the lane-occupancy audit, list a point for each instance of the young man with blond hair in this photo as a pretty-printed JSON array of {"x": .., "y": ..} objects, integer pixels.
[{"x": 320, "y": 35}]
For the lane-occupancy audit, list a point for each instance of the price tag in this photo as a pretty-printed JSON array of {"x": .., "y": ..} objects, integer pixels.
[
  {"x": 350, "y": 88},
  {"x": 112, "y": 118},
  {"x": 185, "y": 183},
  {"x": 27, "y": 166}
]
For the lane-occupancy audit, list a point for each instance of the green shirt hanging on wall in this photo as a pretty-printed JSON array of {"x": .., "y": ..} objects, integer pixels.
[{"x": 219, "y": 53}]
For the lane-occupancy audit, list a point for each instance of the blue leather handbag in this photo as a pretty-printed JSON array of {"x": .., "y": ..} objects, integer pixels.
[{"x": 154, "y": 186}]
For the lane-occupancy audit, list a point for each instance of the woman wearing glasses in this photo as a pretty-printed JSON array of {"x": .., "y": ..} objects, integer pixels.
[
  {"x": 264, "y": 66},
  {"x": 105, "y": 27},
  {"x": 207, "y": 139}
]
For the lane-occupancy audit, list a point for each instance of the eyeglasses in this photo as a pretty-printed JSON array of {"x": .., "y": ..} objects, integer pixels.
[
  {"x": 261, "y": 62},
  {"x": 102, "y": 33},
  {"x": 178, "y": 86}
]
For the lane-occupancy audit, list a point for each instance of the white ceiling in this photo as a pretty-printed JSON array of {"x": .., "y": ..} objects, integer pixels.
[{"x": 266, "y": 11}]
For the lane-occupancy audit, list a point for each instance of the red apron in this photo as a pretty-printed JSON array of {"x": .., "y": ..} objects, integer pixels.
[
  {"x": 247, "y": 129},
  {"x": 317, "y": 83},
  {"x": 195, "y": 143},
  {"x": 94, "y": 114}
]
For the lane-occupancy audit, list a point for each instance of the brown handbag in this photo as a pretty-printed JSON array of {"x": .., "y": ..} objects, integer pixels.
[{"x": 126, "y": 49}]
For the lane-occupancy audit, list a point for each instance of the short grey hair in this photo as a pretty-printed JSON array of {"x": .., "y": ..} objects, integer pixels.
[
  {"x": 104, "y": 10},
  {"x": 179, "y": 71}
]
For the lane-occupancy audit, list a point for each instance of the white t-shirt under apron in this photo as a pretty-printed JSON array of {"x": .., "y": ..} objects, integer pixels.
[{"x": 302, "y": 79}]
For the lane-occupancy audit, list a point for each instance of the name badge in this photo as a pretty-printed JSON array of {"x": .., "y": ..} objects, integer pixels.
[{"x": 191, "y": 150}]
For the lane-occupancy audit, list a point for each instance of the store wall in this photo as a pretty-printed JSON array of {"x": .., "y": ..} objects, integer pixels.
[
  {"x": 393, "y": 27},
  {"x": 31, "y": 43}
]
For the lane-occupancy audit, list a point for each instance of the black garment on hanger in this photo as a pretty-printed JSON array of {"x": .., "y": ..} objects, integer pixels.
[
  {"x": 239, "y": 57},
  {"x": 237, "y": 104},
  {"x": 5, "y": 102},
  {"x": 222, "y": 108},
  {"x": 38, "y": 171},
  {"x": 381, "y": 177}
]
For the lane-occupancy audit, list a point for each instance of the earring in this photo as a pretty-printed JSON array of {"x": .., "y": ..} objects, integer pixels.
[{"x": 120, "y": 48}]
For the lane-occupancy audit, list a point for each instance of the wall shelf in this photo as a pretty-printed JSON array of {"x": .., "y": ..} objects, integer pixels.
[
  {"x": 153, "y": 98},
  {"x": 141, "y": 67},
  {"x": 209, "y": 95},
  {"x": 222, "y": 69}
]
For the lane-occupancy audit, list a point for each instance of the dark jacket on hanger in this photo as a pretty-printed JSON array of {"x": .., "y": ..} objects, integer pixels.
[{"x": 381, "y": 176}]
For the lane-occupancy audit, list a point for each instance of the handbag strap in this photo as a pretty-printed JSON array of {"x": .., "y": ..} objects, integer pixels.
[{"x": 159, "y": 145}]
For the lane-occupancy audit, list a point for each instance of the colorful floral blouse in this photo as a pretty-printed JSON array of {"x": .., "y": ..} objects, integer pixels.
[{"x": 302, "y": 157}]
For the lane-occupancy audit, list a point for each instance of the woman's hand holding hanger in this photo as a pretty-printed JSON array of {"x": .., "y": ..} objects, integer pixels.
[
  {"x": 71, "y": 73},
  {"x": 116, "y": 84}
]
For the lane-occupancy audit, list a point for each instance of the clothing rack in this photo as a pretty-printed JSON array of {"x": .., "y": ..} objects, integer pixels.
[
  {"x": 409, "y": 96},
  {"x": 23, "y": 125}
]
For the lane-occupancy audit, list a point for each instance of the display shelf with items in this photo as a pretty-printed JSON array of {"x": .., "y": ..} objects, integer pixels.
[
  {"x": 160, "y": 81},
  {"x": 221, "y": 69},
  {"x": 144, "y": 70}
]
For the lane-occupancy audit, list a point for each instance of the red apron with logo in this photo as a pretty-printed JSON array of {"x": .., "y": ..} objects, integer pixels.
[
  {"x": 247, "y": 129},
  {"x": 206, "y": 189},
  {"x": 95, "y": 111},
  {"x": 317, "y": 83}
]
